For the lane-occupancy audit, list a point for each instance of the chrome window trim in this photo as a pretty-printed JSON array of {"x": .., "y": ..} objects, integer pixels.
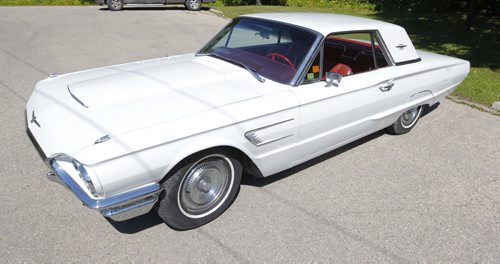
[{"x": 308, "y": 61}]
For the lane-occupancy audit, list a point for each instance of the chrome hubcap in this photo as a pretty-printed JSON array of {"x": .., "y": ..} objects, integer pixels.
[
  {"x": 194, "y": 4},
  {"x": 115, "y": 3},
  {"x": 409, "y": 117},
  {"x": 205, "y": 186}
]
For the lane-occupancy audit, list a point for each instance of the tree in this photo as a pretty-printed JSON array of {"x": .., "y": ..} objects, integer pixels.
[{"x": 471, "y": 14}]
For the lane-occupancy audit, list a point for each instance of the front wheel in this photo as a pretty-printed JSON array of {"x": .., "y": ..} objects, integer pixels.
[
  {"x": 406, "y": 121},
  {"x": 200, "y": 190},
  {"x": 193, "y": 5},
  {"x": 115, "y": 5}
]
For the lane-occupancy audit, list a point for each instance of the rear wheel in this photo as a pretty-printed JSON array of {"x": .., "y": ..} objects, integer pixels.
[
  {"x": 200, "y": 190},
  {"x": 406, "y": 121},
  {"x": 193, "y": 5},
  {"x": 115, "y": 5}
]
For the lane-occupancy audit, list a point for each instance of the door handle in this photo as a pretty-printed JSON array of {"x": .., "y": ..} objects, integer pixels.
[{"x": 386, "y": 87}]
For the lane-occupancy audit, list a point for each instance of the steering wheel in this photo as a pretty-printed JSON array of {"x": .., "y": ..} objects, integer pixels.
[{"x": 273, "y": 56}]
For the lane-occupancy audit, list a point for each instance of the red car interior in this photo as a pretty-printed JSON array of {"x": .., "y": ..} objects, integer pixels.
[{"x": 356, "y": 55}]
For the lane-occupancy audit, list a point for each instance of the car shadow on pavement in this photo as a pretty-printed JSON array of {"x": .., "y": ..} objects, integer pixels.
[
  {"x": 137, "y": 224},
  {"x": 260, "y": 182},
  {"x": 151, "y": 219}
]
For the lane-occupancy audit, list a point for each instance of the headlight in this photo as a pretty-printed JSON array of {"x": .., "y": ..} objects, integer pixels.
[{"x": 84, "y": 175}]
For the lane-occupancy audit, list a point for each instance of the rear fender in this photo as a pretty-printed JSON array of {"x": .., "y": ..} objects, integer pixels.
[{"x": 420, "y": 98}]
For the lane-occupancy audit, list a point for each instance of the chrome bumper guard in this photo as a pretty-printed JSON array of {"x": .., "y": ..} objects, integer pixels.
[{"x": 118, "y": 207}]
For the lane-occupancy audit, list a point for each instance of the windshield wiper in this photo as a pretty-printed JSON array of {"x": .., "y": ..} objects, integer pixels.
[{"x": 252, "y": 71}]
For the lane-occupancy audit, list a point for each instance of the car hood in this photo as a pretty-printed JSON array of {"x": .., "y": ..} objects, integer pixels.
[{"x": 72, "y": 111}]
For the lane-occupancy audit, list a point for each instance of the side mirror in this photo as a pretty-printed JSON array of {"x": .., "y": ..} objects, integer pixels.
[{"x": 333, "y": 79}]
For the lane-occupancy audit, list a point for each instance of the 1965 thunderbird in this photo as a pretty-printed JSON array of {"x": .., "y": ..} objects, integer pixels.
[{"x": 268, "y": 92}]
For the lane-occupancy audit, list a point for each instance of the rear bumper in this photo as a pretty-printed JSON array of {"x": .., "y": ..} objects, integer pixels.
[{"x": 118, "y": 207}]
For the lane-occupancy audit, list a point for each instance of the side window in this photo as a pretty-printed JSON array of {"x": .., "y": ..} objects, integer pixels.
[
  {"x": 347, "y": 54},
  {"x": 353, "y": 53}
]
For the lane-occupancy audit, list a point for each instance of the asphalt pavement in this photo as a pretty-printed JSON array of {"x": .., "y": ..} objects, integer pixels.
[{"x": 430, "y": 195}]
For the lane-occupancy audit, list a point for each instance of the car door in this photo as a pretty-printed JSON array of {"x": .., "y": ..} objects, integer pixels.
[{"x": 335, "y": 115}]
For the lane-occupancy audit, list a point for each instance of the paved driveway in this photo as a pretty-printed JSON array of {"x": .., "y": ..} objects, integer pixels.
[{"x": 429, "y": 195}]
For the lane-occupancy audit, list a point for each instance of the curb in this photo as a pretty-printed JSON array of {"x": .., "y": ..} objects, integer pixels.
[
  {"x": 480, "y": 107},
  {"x": 217, "y": 13}
]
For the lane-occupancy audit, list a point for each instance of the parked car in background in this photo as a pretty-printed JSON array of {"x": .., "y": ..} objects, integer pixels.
[
  {"x": 115, "y": 5},
  {"x": 268, "y": 92}
]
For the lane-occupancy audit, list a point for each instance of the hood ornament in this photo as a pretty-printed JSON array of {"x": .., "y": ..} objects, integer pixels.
[{"x": 33, "y": 119}]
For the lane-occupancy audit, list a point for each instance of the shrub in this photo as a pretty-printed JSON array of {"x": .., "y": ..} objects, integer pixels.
[
  {"x": 330, "y": 3},
  {"x": 253, "y": 2}
]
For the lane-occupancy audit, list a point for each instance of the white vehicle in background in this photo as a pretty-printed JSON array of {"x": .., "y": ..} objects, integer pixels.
[{"x": 268, "y": 92}]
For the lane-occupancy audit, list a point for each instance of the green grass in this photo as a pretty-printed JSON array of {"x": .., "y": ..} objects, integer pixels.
[
  {"x": 444, "y": 34},
  {"x": 482, "y": 86}
]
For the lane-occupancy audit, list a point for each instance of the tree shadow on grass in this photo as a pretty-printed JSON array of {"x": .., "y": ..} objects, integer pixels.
[{"x": 446, "y": 34}]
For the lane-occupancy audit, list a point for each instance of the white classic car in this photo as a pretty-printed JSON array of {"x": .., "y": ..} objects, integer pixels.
[{"x": 267, "y": 93}]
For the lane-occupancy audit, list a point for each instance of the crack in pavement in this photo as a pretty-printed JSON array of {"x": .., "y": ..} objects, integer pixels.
[
  {"x": 224, "y": 247},
  {"x": 12, "y": 91},
  {"x": 338, "y": 228},
  {"x": 23, "y": 61}
]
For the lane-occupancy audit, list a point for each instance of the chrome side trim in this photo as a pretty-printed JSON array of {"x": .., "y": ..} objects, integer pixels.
[
  {"x": 76, "y": 98},
  {"x": 254, "y": 138},
  {"x": 102, "y": 139},
  {"x": 271, "y": 125},
  {"x": 113, "y": 206},
  {"x": 273, "y": 140}
]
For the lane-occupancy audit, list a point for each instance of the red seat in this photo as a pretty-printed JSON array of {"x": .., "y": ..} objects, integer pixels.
[{"x": 342, "y": 69}]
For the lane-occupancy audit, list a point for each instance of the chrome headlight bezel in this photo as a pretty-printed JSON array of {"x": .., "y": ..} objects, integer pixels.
[{"x": 83, "y": 172}]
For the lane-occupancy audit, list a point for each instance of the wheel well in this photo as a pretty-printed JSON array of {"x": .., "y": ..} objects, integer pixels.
[{"x": 249, "y": 166}]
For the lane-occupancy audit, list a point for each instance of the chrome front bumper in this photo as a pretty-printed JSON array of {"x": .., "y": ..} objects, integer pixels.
[{"x": 118, "y": 207}]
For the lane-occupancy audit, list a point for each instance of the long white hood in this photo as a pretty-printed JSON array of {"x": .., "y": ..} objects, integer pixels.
[{"x": 72, "y": 111}]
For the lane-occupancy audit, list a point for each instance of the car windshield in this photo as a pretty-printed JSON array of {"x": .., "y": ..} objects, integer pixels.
[{"x": 270, "y": 49}]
